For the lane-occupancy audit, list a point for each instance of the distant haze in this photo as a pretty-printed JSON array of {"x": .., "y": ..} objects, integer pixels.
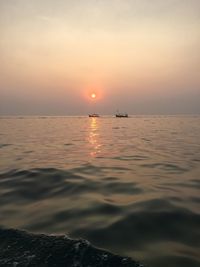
[{"x": 138, "y": 56}]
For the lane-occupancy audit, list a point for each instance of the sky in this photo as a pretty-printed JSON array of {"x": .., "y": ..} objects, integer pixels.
[{"x": 137, "y": 56}]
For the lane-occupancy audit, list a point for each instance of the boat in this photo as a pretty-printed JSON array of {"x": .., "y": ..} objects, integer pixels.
[
  {"x": 121, "y": 115},
  {"x": 94, "y": 115}
]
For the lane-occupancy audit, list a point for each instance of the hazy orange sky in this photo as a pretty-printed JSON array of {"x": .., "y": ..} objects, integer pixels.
[{"x": 138, "y": 56}]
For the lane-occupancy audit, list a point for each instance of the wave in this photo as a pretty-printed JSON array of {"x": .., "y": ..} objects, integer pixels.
[
  {"x": 37, "y": 184},
  {"x": 121, "y": 215},
  {"x": 20, "y": 248}
]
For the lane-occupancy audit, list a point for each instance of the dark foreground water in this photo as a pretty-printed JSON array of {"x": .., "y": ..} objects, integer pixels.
[
  {"x": 131, "y": 186},
  {"x": 22, "y": 249}
]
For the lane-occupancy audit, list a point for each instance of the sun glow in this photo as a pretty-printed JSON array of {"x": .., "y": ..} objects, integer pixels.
[{"x": 93, "y": 95}]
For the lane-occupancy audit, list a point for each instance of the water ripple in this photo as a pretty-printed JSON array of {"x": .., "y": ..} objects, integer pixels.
[{"x": 131, "y": 186}]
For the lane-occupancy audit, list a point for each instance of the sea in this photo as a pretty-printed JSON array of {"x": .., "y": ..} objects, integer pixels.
[{"x": 128, "y": 185}]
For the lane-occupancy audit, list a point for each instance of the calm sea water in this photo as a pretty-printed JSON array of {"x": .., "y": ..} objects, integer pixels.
[{"x": 131, "y": 186}]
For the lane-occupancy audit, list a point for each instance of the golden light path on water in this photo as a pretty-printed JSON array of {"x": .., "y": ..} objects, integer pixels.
[{"x": 94, "y": 137}]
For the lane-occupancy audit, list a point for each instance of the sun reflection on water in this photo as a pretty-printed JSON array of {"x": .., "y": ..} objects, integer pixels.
[{"x": 95, "y": 146}]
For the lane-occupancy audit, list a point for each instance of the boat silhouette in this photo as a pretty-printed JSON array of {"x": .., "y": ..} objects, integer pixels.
[
  {"x": 94, "y": 115},
  {"x": 121, "y": 115}
]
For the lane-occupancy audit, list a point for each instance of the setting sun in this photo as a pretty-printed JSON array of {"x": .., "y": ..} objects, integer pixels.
[{"x": 93, "y": 95}]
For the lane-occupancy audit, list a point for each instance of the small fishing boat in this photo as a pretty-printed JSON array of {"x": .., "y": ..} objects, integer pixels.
[
  {"x": 121, "y": 115},
  {"x": 94, "y": 115}
]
